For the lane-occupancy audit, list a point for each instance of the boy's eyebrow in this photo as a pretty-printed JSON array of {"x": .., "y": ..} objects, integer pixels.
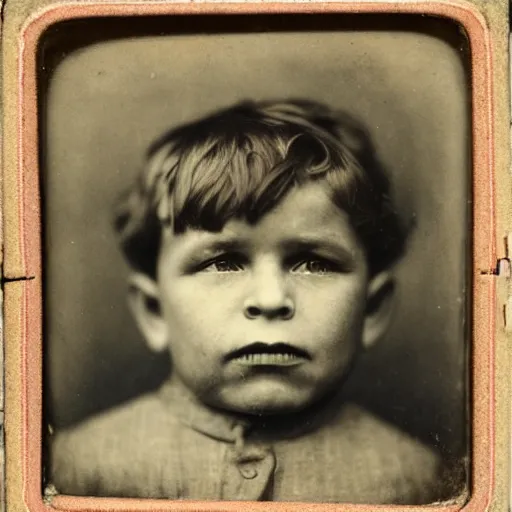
[
  {"x": 315, "y": 242},
  {"x": 215, "y": 246},
  {"x": 298, "y": 243}
]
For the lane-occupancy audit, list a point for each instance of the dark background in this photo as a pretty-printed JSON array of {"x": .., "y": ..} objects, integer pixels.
[{"x": 109, "y": 88}]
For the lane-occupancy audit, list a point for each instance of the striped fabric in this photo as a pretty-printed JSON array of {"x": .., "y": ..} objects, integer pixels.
[{"x": 163, "y": 445}]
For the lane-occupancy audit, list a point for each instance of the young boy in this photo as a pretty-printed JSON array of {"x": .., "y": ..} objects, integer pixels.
[{"x": 260, "y": 240}]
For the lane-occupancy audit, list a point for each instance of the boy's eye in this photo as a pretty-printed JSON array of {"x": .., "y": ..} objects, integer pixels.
[
  {"x": 314, "y": 266},
  {"x": 224, "y": 264}
]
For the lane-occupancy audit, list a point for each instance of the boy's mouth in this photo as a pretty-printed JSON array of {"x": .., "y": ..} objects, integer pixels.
[{"x": 268, "y": 354}]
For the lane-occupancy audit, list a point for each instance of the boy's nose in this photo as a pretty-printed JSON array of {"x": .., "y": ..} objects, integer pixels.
[{"x": 269, "y": 295}]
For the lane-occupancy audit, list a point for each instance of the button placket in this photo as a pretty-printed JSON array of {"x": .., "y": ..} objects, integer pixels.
[{"x": 249, "y": 470}]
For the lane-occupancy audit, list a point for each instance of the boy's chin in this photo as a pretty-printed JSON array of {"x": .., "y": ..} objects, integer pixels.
[{"x": 267, "y": 402}]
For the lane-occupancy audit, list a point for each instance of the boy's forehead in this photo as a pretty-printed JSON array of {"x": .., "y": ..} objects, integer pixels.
[{"x": 305, "y": 215}]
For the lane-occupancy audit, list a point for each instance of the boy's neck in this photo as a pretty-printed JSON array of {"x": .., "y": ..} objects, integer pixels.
[{"x": 220, "y": 423}]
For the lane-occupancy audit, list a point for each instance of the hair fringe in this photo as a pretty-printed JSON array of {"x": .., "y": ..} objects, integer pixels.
[{"x": 242, "y": 161}]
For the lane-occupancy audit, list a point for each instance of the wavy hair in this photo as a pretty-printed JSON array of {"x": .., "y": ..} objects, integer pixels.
[{"x": 242, "y": 161}]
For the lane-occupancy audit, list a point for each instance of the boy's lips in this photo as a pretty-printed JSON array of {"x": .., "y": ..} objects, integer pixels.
[{"x": 268, "y": 354}]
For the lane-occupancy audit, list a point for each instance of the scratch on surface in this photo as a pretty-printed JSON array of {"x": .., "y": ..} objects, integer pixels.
[{"x": 15, "y": 279}]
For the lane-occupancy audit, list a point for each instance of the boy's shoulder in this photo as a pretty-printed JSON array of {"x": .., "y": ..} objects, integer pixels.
[
  {"x": 365, "y": 430},
  {"x": 125, "y": 421},
  {"x": 109, "y": 442},
  {"x": 384, "y": 459}
]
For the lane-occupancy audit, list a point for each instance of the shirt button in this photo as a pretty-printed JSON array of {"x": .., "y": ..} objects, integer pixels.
[{"x": 248, "y": 472}]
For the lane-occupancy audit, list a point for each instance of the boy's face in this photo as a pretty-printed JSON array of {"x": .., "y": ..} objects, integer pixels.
[{"x": 263, "y": 318}]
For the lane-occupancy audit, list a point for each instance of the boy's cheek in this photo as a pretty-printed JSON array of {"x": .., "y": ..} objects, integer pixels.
[{"x": 199, "y": 301}]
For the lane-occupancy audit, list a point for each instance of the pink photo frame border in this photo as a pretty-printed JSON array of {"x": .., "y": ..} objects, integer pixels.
[{"x": 484, "y": 254}]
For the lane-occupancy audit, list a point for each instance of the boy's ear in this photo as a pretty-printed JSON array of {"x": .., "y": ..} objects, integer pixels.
[
  {"x": 144, "y": 301},
  {"x": 379, "y": 307}
]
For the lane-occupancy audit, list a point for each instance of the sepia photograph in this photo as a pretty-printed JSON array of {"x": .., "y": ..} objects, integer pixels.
[{"x": 256, "y": 258}]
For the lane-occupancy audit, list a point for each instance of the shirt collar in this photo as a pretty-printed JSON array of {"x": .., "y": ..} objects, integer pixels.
[
  {"x": 231, "y": 427},
  {"x": 194, "y": 414}
]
